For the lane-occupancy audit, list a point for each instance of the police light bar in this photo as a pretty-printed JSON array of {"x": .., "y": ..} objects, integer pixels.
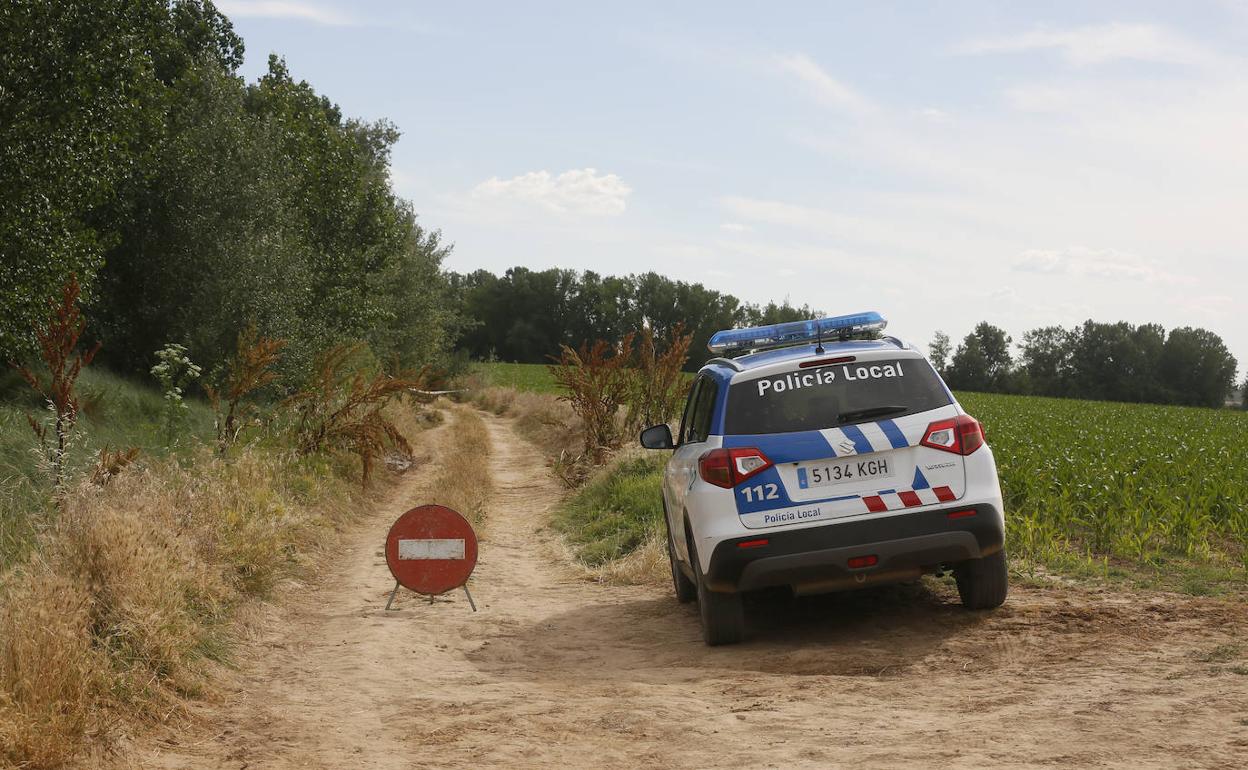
[{"x": 795, "y": 332}]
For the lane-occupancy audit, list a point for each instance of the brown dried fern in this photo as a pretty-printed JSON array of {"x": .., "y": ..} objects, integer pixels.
[
  {"x": 597, "y": 379},
  {"x": 111, "y": 462},
  {"x": 659, "y": 383},
  {"x": 250, "y": 369},
  {"x": 341, "y": 407},
  {"x": 58, "y": 350}
]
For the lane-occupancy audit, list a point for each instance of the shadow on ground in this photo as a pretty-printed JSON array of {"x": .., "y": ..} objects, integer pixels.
[{"x": 874, "y": 632}]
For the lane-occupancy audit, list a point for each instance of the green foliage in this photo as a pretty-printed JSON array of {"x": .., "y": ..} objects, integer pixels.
[
  {"x": 283, "y": 212},
  {"x": 1101, "y": 361},
  {"x": 525, "y": 315},
  {"x": 982, "y": 362},
  {"x": 174, "y": 370},
  {"x": 82, "y": 88},
  {"x": 189, "y": 203},
  {"x": 939, "y": 350},
  {"x": 527, "y": 378},
  {"x": 1136, "y": 482},
  {"x": 616, "y": 511}
]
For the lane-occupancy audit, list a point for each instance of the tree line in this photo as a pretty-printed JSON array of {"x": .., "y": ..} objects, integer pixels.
[
  {"x": 189, "y": 204},
  {"x": 1100, "y": 361},
  {"x": 526, "y": 315}
]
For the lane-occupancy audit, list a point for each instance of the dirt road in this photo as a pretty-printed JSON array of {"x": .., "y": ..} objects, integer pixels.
[{"x": 555, "y": 671}]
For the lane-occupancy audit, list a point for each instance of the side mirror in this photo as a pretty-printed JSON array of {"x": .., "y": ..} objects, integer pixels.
[{"x": 657, "y": 437}]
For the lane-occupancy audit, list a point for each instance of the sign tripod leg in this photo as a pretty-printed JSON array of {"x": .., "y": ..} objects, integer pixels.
[
  {"x": 471, "y": 603},
  {"x": 392, "y": 595}
]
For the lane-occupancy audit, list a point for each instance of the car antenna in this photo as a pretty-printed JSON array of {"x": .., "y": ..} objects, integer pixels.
[{"x": 818, "y": 337}]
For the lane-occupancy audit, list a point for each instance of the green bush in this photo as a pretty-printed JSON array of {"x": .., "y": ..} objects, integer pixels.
[{"x": 616, "y": 511}]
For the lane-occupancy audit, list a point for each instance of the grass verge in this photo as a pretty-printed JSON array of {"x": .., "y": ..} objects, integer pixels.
[
  {"x": 617, "y": 510},
  {"x": 463, "y": 481},
  {"x": 114, "y": 608},
  {"x": 117, "y": 413}
]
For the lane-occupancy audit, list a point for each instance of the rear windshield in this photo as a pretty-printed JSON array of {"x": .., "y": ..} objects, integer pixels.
[{"x": 828, "y": 396}]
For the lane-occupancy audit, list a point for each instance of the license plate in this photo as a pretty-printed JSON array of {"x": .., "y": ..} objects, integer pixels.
[{"x": 833, "y": 473}]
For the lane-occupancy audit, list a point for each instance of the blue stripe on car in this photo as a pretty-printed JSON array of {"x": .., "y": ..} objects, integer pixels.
[
  {"x": 854, "y": 434},
  {"x": 895, "y": 436},
  {"x": 920, "y": 481},
  {"x": 785, "y": 447}
]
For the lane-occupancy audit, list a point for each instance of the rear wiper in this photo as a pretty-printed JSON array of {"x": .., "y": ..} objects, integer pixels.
[{"x": 854, "y": 415}]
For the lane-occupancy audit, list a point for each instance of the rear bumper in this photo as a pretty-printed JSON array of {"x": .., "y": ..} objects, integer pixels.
[{"x": 816, "y": 559}]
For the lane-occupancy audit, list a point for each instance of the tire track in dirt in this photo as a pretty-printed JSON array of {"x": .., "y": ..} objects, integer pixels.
[{"x": 557, "y": 671}]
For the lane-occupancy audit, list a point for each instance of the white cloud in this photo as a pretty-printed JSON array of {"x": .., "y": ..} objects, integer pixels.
[
  {"x": 735, "y": 227},
  {"x": 1100, "y": 43},
  {"x": 287, "y": 9},
  {"x": 577, "y": 191},
  {"x": 826, "y": 88},
  {"x": 1082, "y": 261}
]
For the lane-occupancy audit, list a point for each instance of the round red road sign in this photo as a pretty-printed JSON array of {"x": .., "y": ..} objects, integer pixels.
[{"x": 431, "y": 549}]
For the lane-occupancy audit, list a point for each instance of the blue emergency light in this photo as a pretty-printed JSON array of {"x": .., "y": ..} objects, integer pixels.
[{"x": 795, "y": 332}]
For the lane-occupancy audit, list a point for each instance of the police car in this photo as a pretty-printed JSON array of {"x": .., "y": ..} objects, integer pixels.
[{"x": 825, "y": 457}]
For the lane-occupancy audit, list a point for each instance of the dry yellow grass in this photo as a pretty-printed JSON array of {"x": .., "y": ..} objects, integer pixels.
[
  {"x": 463, "y": 480},
  {"x": 646, "y": 565},
  {"x": 540, "y": 417},
  {"x": 125, "y": 601}
]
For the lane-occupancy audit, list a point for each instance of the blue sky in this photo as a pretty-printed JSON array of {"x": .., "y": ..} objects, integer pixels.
[{"x": 943, "y": 163}]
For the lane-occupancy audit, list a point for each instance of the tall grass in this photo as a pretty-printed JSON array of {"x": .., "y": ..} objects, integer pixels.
[
  {"x": 124, "y": 595},
  {"x": 116, "y": 413},
  {"x": 114, "y": 606},
  {"x": 464, "y": 480},
  {"x": 127, "y": 590}
]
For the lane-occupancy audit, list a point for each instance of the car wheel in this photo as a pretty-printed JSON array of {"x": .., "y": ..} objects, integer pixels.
[
  {"x": 686, "y": 591},
  {"x": 983, "y": 583},
  {"x": 722, "y": 614}
]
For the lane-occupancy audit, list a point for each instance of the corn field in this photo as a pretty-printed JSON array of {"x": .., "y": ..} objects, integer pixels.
[{"x": 1134, "y": 481}]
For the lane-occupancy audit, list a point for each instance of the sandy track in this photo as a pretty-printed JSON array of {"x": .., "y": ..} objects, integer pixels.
[{"x": 557, "y": 671}]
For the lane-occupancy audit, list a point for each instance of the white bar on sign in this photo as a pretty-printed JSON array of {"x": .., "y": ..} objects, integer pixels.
[{"x": 431, "y": 549}]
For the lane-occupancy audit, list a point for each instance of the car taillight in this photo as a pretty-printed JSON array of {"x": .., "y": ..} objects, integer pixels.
[
  {"x": 961, "y": 435},
  {"x": 729, "y": 467}
]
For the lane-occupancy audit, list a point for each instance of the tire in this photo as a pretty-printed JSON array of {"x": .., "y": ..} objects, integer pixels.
[
  {"x": 722, "y": 615},
  {"x": 686, "y": 590},
  {"x": 983, "y": 583}
]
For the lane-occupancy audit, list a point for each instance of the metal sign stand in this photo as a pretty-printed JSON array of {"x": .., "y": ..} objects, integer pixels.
[
  {"x": 430, "y": 550},
  {"x": 395, "y": 592}
]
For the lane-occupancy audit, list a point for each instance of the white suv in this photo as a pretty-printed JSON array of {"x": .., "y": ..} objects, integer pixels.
[{"x": 825, "y": 467}]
